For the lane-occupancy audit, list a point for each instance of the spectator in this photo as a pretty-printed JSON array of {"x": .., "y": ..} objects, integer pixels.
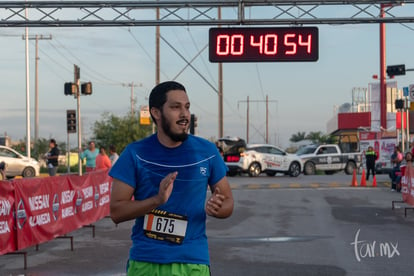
[
  {"x": 52, "y": 157},
  {"x": 2, "y": 170},
  {"x": 102, "y": 160},
  {"x": 90, "y": 156},
  {"x": 396, "y": 159},
  {"x": 113, "y": 155},
  {"x": 412, "y": 148}
]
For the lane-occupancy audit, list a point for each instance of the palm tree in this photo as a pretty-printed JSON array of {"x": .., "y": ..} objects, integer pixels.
[{"x": 298, "y": 137}]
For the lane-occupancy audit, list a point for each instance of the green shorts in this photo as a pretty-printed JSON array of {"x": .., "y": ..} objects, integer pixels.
[{"x": 175, "y": 269}]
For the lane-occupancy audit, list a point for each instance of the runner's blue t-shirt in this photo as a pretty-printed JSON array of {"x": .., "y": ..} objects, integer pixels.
[{"x": 143, "y": 164}]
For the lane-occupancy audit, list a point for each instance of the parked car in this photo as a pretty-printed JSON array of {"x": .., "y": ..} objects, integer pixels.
[
  {"x": 269, "y": 159},
  {"x": 18, "y": 164},
  {"x": 328, "y": 158},
  {"x": 232, "y": 148},
  {"x": 383, "y": 167}
]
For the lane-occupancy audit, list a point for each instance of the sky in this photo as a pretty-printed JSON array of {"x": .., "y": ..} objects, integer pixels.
[{"x": 303, "y": 96}]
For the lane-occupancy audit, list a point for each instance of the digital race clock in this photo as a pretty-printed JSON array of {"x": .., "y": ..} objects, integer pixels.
[{"x": 263, "y": 44}]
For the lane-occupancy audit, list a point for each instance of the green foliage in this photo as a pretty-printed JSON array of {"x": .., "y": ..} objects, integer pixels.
[
  {"x": 64, "y": 169},
  {"x": 316, "y": 137},
  {"x": 299, "y": 136},
  {"x": 39, "y": 148},
  {"x": 118, "y": 131}
]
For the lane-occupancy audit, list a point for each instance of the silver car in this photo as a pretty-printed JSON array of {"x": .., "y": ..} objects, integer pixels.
[{"x": 17, "y": 164}]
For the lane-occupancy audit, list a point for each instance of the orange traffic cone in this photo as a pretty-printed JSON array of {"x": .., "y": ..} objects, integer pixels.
[
  {"x": 374, "y": 181},
  {"x": 363, "y": 180},
  {"x": 354, "y": 180}
]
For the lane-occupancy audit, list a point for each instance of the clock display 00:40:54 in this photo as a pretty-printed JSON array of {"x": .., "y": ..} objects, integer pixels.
[{"x": 263, "y": 44}]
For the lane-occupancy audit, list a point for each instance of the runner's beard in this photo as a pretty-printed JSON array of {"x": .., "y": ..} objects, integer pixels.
[{"x": 166, "y": 127}]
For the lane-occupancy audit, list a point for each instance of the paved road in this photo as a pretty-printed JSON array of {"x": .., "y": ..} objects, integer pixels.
[{"x": 316, "y": 225}]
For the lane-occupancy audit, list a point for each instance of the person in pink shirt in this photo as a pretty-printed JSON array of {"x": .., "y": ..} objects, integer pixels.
[{"x": 102, "y": 160}]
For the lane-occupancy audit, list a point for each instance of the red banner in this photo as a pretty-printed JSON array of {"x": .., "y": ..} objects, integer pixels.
[
  {"x": 407, "y": 184},
  {"x": 7, "y": 232},
  {"x": 53, "y": 206}
]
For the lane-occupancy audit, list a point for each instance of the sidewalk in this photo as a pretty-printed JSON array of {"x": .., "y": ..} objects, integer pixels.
[{"x": 106, "y": 254}]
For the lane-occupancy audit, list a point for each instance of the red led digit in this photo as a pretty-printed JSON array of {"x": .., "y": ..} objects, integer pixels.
[
  {"x": 237, "y": 40},
  {"x": 270, "y": 40},
  {"x": 223, "y": 42},
  {"x": 307, "y": 43},
  {"x": 291, "y": 44},
  {"x": 258, "y": 43}
]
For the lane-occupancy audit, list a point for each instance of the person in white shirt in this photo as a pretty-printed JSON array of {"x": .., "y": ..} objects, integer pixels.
[{"x": 113, "y": 156}]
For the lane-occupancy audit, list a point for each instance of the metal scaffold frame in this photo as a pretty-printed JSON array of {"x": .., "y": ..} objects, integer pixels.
[{"x": 197, "y": 13}]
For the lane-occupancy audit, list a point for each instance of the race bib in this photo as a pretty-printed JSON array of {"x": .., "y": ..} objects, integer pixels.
[{"x": 164, "y": 226}]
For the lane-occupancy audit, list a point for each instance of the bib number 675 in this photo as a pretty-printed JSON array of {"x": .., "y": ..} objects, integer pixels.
[{"x": 165, "y": 225}]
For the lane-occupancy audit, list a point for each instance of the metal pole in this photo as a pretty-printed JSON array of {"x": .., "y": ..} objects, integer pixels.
[
  {"x": 157, "y": 56},
  {"x": 402, "y": 130},
  {"x": 36, "y": 109},
  {"x": 407, "y": 119},
  {"x": 220, "y": 93},
  {"x": 157, "y": 50},
  {"x": 77, "y": 81},
  {"x": 36, "y": 135},
  {"x": 220, "y": 100},
  {"x": 247, "y": 121},
  {"x": 132, "y": 99},
  {"x": 27, "y": 90},
  {"x": 79, "y": 131},
  {"x": 68, "y": 152},
  {"x": 383, "y": 84},
  {"x": 267, "y": 119}
]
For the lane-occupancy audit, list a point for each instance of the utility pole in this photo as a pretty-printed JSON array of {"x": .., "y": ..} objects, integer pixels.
[
  {"x": 28, "y": 153},
  {"x": 132, "y": 85},
  {"x": 157, "y": 56},
  {"x": 37, "y": 38},
  {"x": 248, "y": 101},
  {"x": 247, "y": 120},
  {"x": 157, "y": 49},
  {"x": 267, "y": 119},
  {"x": 220, "y": 93}
]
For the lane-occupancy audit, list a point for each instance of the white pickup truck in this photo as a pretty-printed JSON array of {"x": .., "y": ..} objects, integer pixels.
[{"x": 328, "y": 158}]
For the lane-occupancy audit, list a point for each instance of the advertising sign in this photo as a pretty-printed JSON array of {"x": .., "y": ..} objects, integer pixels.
[
  {"x": 54, "y": 206},
  {"x": 7, "y": 233}
]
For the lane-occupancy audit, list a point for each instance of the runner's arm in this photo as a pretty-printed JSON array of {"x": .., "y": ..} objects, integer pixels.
[
  {"x": 123, "y": 208},
  {"x": 220, "y": 204}
]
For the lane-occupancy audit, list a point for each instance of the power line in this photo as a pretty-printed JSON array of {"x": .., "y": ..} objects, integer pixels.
[{"x": 98, "y": 75}]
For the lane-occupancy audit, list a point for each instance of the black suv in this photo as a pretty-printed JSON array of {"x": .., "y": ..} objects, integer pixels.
[{"x": 232, "y": 147}]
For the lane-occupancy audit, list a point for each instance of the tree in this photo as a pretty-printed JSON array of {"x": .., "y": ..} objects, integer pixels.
[
  {"x": 314, "y": 136},
  {"x": 298, "y": 137},
  {"x": 39, "y": 148},
  {"x": 318, "y": 137},
  {"x": 119, "y": 131}
]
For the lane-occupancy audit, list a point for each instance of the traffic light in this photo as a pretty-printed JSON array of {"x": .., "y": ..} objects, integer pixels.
[
  {"x": 71, "y": 120},
  {"x": 86, "y": 88},
  {"x": 396, "y": 70},
  {"x": 399, "y": 104},
  {"x": 71, "y": 88},
  {"x": 193, "y": 123}
]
